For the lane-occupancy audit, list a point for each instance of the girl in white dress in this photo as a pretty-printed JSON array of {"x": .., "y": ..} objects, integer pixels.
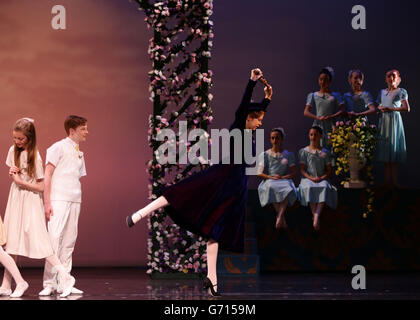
[{"x": 24, "y": 219}]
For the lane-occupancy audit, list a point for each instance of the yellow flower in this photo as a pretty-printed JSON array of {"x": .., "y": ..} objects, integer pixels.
[{"x": 185, "y": 270}]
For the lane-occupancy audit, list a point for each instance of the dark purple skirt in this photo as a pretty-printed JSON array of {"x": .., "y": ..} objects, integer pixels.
[{"x": 212, "y": 203}]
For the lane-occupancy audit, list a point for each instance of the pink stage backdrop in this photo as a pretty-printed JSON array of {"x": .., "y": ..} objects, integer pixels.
[{"x": 96, "y": 68}]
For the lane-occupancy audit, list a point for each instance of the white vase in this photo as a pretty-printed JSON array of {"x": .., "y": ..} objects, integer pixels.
[{"x": 354, "y": 167}]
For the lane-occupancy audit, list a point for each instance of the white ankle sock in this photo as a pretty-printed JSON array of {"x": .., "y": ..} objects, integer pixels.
[
  {"x": 137, "y": 216},
  {"x": 154, "y": 205}
]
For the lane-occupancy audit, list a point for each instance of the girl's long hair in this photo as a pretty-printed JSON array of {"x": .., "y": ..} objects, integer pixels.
[{"x": 26, "y": 126}]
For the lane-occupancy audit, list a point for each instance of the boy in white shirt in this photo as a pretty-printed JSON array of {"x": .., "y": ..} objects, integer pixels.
[{"x": 65, "y": 165}]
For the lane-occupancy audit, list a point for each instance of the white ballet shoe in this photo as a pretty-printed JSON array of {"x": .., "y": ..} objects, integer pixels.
[
  {"x": 73, "y": 291},
  {"x": 5, "y": 292},
  {"x": 20, "y": 290},
  {"x": 76, "y": 291},
  {"x": 66, "y": 284},
  {"x": 47, "y": 291}
]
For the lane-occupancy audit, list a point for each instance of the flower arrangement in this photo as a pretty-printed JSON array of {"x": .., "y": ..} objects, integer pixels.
[
  {"x": 362, "y": 136},
  {"x": 179, "y": 89}
]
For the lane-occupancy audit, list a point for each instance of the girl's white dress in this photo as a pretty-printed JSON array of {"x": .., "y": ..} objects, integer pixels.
[
  {"x": 24, "y": 219},
  {"x": 3, "y": 236}
]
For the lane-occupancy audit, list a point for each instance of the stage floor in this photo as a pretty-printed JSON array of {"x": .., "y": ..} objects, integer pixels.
[{"x": 135, "y": 284}]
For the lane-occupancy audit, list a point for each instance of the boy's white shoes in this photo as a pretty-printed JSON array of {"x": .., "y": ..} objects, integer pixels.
[
  {"x": 76, "y": 291},
  {"x": 48, "y": 291}
]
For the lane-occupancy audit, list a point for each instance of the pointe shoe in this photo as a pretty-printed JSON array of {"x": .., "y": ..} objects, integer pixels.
[
  {"x": 5, "y": 292},
  {"x": 67, "y": 286},
  {"x": 20, "y": 290},
  {"x": 47, "y": 291},
  {"x": 129, "y": 219},
  {"x": 207, "y": 285}
]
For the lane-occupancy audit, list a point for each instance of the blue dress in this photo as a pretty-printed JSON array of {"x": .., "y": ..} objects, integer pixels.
[
  {"x": 211, "y": 203},
  {"x": 391, "y": 145},
  {"x": 324, "y": 105},
  {"x": 315, "y": 162},
  {"x": 275, "y": 191},
  {"x": 357, "y": 102}
]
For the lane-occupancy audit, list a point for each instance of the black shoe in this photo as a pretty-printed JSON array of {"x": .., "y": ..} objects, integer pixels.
[
  {"x": 208, "y": 285},
  {"x": 129, "y": 221}
]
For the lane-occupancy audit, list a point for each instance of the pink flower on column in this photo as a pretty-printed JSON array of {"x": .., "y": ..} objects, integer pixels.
[{"x": 284, "y": 161}]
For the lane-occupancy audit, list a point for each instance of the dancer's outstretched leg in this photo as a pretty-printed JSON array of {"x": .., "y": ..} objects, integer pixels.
[
  {"x": 210, "y": 283},
  {"x": 143, "y": 213},
  {"x": 13, "y": 271}
]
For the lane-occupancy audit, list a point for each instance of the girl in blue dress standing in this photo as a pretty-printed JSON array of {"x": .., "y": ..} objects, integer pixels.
[
  {"x": 358, "y": 103},
  {"x": 316, "y": 168},
  {"x": 277, "y": 167},
  {"x": 211, "y": 203},
  {"x": 324, "y": 105},
  {"x": 391, "y": 147}
]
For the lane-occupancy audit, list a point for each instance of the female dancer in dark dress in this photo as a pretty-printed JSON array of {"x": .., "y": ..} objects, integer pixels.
[{"x": 211, "y": 203}]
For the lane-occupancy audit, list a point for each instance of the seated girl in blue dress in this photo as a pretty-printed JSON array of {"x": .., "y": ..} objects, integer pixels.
[
  {"x": 277, "y": 187},
  {"x": 316, "y": 168},
  {"x": 391, "y": 147}
]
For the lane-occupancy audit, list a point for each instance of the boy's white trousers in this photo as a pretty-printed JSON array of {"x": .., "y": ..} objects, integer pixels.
[{"x": 62, "y": 229}]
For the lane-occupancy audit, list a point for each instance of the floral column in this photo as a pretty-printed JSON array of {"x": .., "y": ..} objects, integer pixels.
[{"x": 179, "y": 89}]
